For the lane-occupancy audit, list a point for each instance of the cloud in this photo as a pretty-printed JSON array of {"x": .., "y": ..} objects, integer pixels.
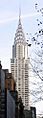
[
  {"x": 4, "y": 21},
  {"x": 30, "y": 15},
  {"x": 12, "y": 18}
]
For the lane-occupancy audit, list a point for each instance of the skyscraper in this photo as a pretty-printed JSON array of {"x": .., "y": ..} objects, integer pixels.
[{"x": 20, "y": 64}]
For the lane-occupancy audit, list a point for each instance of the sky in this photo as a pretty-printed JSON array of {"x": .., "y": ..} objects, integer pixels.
[{"x": 9, "y": 14}]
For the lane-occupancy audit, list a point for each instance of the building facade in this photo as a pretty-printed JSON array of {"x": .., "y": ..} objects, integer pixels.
[
  {"x": 2, "y": 92},
  {"x": 20, "y": 64},
  {"x": 10, "y": 105}
]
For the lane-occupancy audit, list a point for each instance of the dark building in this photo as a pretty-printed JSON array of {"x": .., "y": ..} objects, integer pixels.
[
  {"x": 33, "y": 112},
  {"x": 2, "y": 92},
  {"x": 12, "y": 104},
  {"x": 11, "y": 96},
  {"x": 30, "y": 113},
  {"x": 9, "y": 81},
  {"x": 9, "y": 85},
  {"x": 6, "y": 83}
]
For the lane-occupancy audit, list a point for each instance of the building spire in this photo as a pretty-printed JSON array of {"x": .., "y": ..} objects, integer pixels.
[{"x": 19, "y": 13}]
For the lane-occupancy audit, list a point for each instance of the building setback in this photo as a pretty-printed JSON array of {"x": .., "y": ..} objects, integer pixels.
[{"x": 20, "y": 64}]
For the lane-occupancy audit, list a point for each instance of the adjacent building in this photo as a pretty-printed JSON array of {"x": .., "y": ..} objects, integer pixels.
[
  {"x": 10, "y": 105},
  {"x": 2, "y": 92},
  {"x": 9, "y": 81},
  {"x": 20, "y": 64},
  {"x": 9, "y": 86},
  {"x": 6, "y": 83}
]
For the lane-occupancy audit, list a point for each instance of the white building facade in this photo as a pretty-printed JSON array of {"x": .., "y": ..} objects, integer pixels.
[{"x": 20, "y": 65}]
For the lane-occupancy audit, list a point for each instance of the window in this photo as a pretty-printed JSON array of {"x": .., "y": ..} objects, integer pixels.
[{"x": 19, "y": 51}]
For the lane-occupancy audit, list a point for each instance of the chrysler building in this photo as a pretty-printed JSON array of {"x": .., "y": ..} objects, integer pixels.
[{"x": 20, "y": 64}]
